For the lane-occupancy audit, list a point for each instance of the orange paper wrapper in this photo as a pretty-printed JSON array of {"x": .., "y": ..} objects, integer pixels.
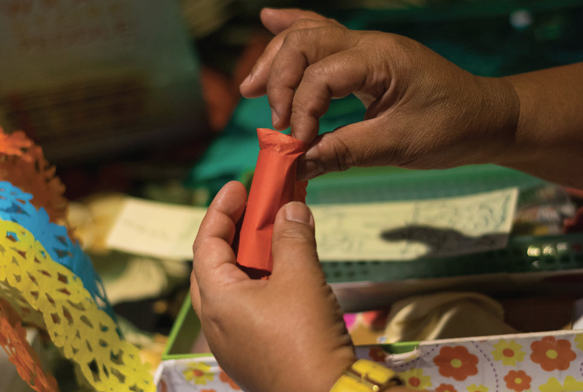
[{"x": 274, "y": 185}]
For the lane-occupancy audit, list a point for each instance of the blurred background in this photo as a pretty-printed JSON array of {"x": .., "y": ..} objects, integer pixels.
[{"x": 140, "y": 98}]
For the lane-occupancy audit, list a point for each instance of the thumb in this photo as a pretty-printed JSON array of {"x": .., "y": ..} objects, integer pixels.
[
  {"x": 359, "y": 144},
  {"x": 277, "y": 21},
  {"x": 294, "y": 243}
]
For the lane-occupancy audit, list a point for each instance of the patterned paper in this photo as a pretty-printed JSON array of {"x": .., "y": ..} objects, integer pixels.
[
  {"x": 50, "y": 294},
  {"x": 24, "y": 166},
  {"x": 544, "y": 362},
  {"x": 20, "y": 353},
  {"x": 16, "y": 206},
  {"x": 197, "y": 374}
]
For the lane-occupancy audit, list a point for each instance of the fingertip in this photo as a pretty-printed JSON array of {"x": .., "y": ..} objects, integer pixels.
[
  {"x": 255, "y": 84},
  {"x": 267, "y": 12},
  {"x": 296, "y": 211},
  {"x": 280, "y": 124},
  {"x": 274, "y": 118},
  {"x": 247, "y": 92},
  {"x": 309, "y": 169},
  {"x": 223, "y": 214},
  {"x": 293, "y": 244},
  {"x": 246, "y": 81},
  {"x": 247, "y": 88},
  {"x": 271, "y": 19},
  {"x": 277, "y": 20},
  {"x": 232, "y": 192}
]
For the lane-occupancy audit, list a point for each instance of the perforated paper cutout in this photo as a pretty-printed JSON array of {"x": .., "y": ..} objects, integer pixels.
[
  {"x": 15, "y": 206},
  {"x": 20, "y": 353},
  {"x": 83, "y": 332},
  {"x": 25, "y": 166},
  {"x": 14, "y": 144}
]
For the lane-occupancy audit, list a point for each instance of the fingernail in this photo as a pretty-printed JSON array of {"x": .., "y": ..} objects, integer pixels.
[
  {"x": 247, "y": 80},
  {"x": 309, "y": 168},
  {"x": 298, "y": 212},
  {"x": 274, "y": 117}
]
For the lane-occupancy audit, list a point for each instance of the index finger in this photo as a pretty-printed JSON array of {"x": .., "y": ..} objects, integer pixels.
[
  {"x": 255, "y": 84},
  {"x": 214, "y": 260},
  {"x": 278, "y": 20}
]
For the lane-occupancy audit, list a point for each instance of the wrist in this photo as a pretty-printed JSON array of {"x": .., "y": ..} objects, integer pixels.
[
  {"x": 501, "y": 113},
  {"x": 526, "y": 143}
]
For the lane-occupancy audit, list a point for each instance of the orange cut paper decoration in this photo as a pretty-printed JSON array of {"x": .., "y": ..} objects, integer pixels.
[
  {"x": 23, "y": 164},
  {"x": 14, "y": 144},
  {"x": 274, "y": 185},
  {"x": 20, "y": 353}
]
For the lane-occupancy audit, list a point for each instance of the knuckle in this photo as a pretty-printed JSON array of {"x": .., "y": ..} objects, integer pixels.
[
  {"x": 303, "y": 23},
  {"x": 271, "y": 85},
  {"x": 343, "y": 156},
  {"x": 294, "y": 235},
  {"x": 294, "y": 38},
  {"x": 315, "y": 72},
  {"x": 335, "y": 22}
]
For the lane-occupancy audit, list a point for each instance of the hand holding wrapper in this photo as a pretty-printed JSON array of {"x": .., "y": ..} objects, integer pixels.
[{"x": 274, "y": 185}]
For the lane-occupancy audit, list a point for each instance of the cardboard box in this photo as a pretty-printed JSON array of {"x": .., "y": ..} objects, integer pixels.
[{"x": 543, "y": 361}]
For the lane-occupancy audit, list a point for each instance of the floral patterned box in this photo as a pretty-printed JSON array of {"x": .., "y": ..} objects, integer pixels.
[{"x": 544, "y": 362}]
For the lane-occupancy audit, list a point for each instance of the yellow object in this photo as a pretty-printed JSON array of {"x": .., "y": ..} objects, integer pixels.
[
  {"x": 570, "y": 385},
  {"x": 579, "y": 341},
  {"x": 415, "y": 379},
  {"x": 366, "y": 376},
  {"x": 37, "y": 285},
  {"x": 199, "y": 372},
  {"x": 475, "y": 388},
  {"x": 509, "y": 353}
]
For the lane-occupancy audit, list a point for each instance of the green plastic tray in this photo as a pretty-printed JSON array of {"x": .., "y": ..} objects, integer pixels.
[{"x": 523, "y": 254}]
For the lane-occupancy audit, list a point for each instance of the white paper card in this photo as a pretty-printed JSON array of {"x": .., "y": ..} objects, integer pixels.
[
  {"x": 395, "y": 231},
  {"x": 409, "y": 230},
  {"x": 156, "y": 229}
]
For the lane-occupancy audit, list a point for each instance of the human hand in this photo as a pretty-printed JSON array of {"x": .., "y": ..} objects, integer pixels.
[
  {"x": 282, "y": 334},
  {"x": 423, "y": 112}
]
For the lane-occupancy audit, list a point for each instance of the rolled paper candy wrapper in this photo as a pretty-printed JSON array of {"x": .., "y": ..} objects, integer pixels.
[{"x": 274, "y": 185}]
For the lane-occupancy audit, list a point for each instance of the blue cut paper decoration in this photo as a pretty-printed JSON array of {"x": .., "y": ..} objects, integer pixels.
[{"x": 15, "y": 206}]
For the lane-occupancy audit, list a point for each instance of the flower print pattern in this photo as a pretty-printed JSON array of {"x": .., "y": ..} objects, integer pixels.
[
  {"x": 517, "y": 380},
  {"x": 552, "y": 354},
  {"x": 508, "y": 352},
  {"x": 199, "y": 372},
  {"x": 456, "y": 362},
  {"x": 415, "y": 379}
]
